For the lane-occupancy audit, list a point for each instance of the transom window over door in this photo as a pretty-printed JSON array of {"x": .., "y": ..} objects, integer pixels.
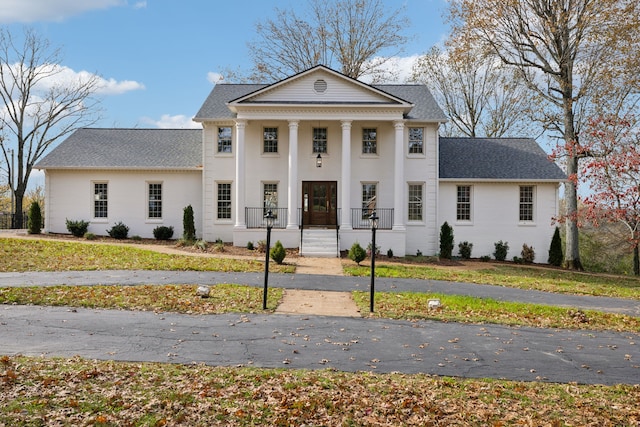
[
  {"x": 270, "y": 140},
  {"x": 100, "y": 200},
  {"x": 155, "y": 200},
  {"x": 369, "y": 141},
  {"x": 319, "y": 140},
  {"x": 526, "y": 203},
  {"x": 415, "y": 202}
]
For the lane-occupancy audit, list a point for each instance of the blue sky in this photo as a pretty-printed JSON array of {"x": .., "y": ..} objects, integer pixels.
[{"x": 159, "y": 58}]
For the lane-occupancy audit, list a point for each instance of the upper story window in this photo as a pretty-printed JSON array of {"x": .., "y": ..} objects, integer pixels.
[
  {"x": 415, "y": 202},
  {"x": 155, "y": 201},
  {"x": 319, "y": 140},
  {"x": 270, "y": 140},
  {"x": 526, "y": 202},
  {"x": 100, "y": 200},
  {"x": 224, "y": 139},
  {"x": 416, "y": 140},
  {"x": 369, "y": 141},
  {"x": 463, "y": 205}
]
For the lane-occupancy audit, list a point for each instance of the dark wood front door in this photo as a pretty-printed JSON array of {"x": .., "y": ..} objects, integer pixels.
[{"x": 319, "y": 200}]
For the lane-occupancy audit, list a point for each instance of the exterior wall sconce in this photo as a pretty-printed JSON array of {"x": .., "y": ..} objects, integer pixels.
[{"x": 319, "y": 161}]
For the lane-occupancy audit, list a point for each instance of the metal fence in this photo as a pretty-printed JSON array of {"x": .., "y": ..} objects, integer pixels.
[
  {"x": 8, "y": 221},
  {"x": 360, "y": 218},
  {"x": 255, "y": 217}
]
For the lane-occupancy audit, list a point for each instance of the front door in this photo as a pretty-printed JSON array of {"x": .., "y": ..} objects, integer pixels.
[{"x": 319, "y": 200}]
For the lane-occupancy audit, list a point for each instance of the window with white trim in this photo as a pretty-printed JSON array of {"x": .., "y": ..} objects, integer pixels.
[
  {"x": 463, "y": 203},
  {"x": 319, "y": 140},
  {"x": 224, "y": 139},
  {"x": 369, "y": 198},
  {"x": 155, "y": 200},
  {"x": 100, "y": 200},
  {"x": 415, "y": 205},
  {"x": 526, "y": 203},
  {"x": 270, "y": 197},
  {"x": 369, "y": 141},
  {"x": 416, "y": 140},
  {"x": 224, "y": 200},
  {"x": 270, "y": 140}
]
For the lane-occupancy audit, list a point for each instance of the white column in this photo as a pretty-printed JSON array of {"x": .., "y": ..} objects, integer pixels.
[
  {"x": 240, "y": 175},
  {"x": 292, "y": 185},
  {"x": 345, "y": 184},
  {"x": 398, "y": 177}
]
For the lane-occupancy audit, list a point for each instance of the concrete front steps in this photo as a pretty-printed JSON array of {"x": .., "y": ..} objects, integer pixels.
[{"x": 321, "y": 243}]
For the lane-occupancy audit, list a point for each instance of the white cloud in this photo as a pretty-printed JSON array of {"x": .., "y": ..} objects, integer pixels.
[
  {"x": 400, "y": 67},
  {"x": 179, "y": 121},
  {"x": 214, "y": 77},
  {"x": 140, "y": 5},
  {"x": 49, "y": 10}
]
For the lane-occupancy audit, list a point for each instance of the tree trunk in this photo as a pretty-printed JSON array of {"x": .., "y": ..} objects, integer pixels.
[
  {"x": 572, "y": 255},
  {"x": 636, "y": 261},
  {"x": 18, "y": 213}
]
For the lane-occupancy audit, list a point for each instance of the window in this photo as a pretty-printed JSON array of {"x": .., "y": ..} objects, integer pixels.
[
  {"x": 415, "y": 202},
  {"x": 270, "y": 140},
  {"x": 319, "y": 140},
  {"x": 526, "y": 203},
  {"x": 463, "y": 206},
  {"x": 369, "y": 141},
  {"x": 100, "y": 201},
  {"x": 224, "y": 201},
  {"x": 270, "y": 197},
  {"x": 369, "y": 199},
  {"x": 416, "y": 140},
  {"x": 224, "y": 140},
  {"x": 155, "y": 200}
]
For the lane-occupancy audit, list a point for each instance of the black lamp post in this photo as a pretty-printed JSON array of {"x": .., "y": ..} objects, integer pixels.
[
  {"x": 269, "y": 219},
  {"x": 374, "y": 225}
]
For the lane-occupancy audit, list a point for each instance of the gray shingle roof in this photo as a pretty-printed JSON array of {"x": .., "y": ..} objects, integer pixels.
[
  {"x": 426, "y": 108},
  {"x": 496, "y": 158},
  {"x": 92, "y": 148}
]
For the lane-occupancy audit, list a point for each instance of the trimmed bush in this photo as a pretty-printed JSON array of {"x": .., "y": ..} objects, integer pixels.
[
  {"x": 77, "y": 228},
  {"x": 277, "y": 252},
  {"x": 528, "y": 254},
  {"x": 119, "y": 231},
  {"x": 188, "y": 224},
  {"x": 446, "y": 241},
  {"x": 34, "y": 224},
  {"x": 555, "y": 249},
  {"x": 357, "y": 253},
  {"x": 163, "y": 232},
  {"x": 502, "y": 248},
  {"x": 464, "y": 249},
  {"x": 250, "y": 246},
  {"x": 390, "y": 253},
  {"x": 89, "y": 236}
]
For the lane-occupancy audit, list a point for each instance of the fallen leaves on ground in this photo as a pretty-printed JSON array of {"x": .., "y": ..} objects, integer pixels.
[{"x": 40, "y": 391}]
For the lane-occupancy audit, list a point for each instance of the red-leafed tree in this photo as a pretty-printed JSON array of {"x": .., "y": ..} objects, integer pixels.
[{"x": 612, "y": 171}]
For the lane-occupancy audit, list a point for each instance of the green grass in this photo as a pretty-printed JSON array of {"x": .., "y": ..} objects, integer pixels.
[
  {"x": 18, "y": 255},
  {"x": 39, "y": 391},
  {"x": 409, "y": 305},
  {"x": 522, "y": 277}
]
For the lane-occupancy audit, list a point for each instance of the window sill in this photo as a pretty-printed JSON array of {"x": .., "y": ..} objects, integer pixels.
[
  {"x": 527, "y": 224},
  {"x": 464, "y": 223}
]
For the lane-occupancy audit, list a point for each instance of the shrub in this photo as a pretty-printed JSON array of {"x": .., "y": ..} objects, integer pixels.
[
  {"x": 250, "y": 246},
  {"x": 34, "y": 224},
  {"x": 390, "y": 253},
  {"x": 485, "y": 258},
  {"x": 446, "y": 241},
  {"x": 464, "y": 248},
  {"x": 163, "y": 232},
  {"x": 201, "y": 245},
  {"x": 218, "y": 245},
  {"x": 369, "y": 249},
  {"x": 136, "y": 238},
  {"x": 418, "y": 253},
  {"x": 262, "y": 246},
  {"x": 77, "y": 228},
  {"x": 357, "y": 254},
  {"x": 555, "y": 249},
  {"x": 517, "y": 259},
  {"x": 278, "y": 253},
  {"x": 188, "y": 224},
  {"x": 119, "y": 231},
  {"x": 502, "y": 248},
  {"x": 89, "y": 236},
  {"x": 528, "y": 254}
]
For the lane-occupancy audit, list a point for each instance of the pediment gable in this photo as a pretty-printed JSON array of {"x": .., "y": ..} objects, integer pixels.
[{"x": 320, "y": 85}]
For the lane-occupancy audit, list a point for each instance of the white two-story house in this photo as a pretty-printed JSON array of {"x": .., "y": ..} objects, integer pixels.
[{"x": 321, "y": 151}]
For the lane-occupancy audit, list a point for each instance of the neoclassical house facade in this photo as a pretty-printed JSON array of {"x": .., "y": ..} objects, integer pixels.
[{"x": 321, "y": 151}]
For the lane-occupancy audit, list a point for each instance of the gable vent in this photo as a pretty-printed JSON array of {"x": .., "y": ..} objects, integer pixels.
[{"x": 320, "y": 86}]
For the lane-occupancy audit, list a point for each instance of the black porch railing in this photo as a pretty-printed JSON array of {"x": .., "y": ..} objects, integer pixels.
[
  {"x": 360, "y": 218},
  {"x": 255, "y": 217},
  {"x": 9, "y": 221}
]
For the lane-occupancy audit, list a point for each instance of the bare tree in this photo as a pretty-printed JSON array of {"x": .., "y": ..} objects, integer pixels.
[
  {"x": 561, "y": 48},
  {"x": 479, "y": 94},
  {"x": 349, "y": 35},
  {"x": 40, "y": 107}
]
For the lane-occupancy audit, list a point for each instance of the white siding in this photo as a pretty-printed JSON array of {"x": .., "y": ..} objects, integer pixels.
[{"x": 70, "y": 196}]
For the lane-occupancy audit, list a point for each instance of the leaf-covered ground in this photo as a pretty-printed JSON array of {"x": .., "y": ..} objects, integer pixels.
[{"x": 70, "y": 392}]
